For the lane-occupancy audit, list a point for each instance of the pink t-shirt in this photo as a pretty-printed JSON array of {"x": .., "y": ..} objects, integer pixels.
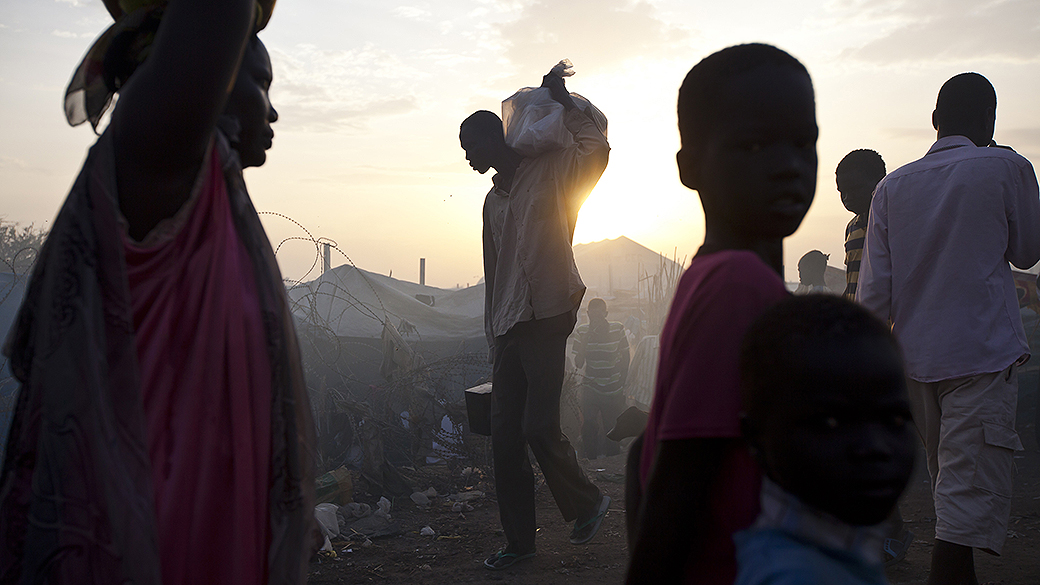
[
  {"x": 697, "y": 393},
  {"x": 206, "y": 385}
]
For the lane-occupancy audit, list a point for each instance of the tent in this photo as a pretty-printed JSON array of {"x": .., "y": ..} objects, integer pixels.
[{"x": 352, "y": 302}]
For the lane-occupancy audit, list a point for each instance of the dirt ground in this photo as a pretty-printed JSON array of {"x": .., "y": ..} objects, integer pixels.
[{"x": 462, "y": 540}]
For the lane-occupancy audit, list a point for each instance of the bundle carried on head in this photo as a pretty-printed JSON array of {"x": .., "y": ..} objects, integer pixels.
[
  {"x": 117, "y": 53},
  {"x": 533, "y": 120}
]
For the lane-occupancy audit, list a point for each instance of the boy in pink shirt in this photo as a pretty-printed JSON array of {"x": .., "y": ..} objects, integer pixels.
[{"x": 748, "y": 126}]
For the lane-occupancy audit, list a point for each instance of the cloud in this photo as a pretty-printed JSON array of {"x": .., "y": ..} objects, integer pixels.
[
  {"x": 1024, "y": 140},
  {"x": 72, "y": 2},
  {"x": 65, "y": 34},
  {"x": 10, "y": 162},
  {"x": 949, "y": 30},
  {"x": 594, "y": 38},
  {"x": 412, "y": 12},
  {"x": 318, "y": 116},
  {"x": 322, "y": 90},
  {"x": 923, "y": 135}
]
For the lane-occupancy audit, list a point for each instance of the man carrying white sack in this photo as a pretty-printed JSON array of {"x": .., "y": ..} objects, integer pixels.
[{"x": 532, "y": 296}]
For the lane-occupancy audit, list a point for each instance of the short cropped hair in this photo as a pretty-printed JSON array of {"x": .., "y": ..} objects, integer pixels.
[
  {"x": 963, "y": 98},
  {"x": 598, "y": 302},
  {"x": 486, "y": 122},
  {"x": 699, "y": 94},
  {"x": 863, "y": 160},
  {"x": 784, "y": 330},
  {"x": 814, "y": 259}
]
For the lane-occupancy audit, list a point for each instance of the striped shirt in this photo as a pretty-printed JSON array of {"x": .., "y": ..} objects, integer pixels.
[
  {"x": 855, "y": 235},
  {"x": 604, "y": 353}
]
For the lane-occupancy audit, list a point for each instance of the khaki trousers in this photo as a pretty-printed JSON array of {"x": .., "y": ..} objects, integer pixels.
[{"x": 967, "y": 426}]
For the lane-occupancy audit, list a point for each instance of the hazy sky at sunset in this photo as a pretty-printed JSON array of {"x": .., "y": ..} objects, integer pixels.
[{"x": 370, "y": 95}]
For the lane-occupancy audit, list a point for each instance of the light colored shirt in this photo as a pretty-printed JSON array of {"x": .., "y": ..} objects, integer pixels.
[
  {"x": 793, "y": 543},
  {"x": 529, "y": 270},
  {"x": 942, "y": 230}
]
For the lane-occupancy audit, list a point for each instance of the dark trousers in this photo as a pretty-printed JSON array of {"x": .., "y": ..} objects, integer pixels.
[
  {"x": 594, "y": 407},
  {"x": 525, "y": 410},
  {"x": 633, "y": 490}
]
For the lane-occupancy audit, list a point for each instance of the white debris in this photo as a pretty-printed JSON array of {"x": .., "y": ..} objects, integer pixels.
[
  {"x": 468, "y": 496},
  {"x": 325, "y": 514}
]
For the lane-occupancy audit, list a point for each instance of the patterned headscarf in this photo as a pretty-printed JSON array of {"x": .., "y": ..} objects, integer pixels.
[{"x": 117, "y": 53}]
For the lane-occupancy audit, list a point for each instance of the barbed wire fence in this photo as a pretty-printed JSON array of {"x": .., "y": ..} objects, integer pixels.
[
  {"x": 415, "y": 418},
  {"x": 390, "y": 429}
]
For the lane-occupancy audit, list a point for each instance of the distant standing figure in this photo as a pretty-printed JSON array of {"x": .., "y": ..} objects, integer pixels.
[
  {"x": 532, "y": 295},
  {"x": 602, "y": 349},
  {"x": 812, "y": 270},
  {"x": 942, "y": 230},
  {"x": 856, "y": 176},
  {"x": 827, "y": 419}
]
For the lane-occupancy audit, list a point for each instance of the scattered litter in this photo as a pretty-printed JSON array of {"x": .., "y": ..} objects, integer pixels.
[
  {"x": 420, "y": 499},
  {"x": 426, "y": 531},
  {"x": 360, "y": 519},
  {"x": 326, "y": 550},
  {"x": 467, "y": 496},
  {"x": 612, "y": 477},
  {"x": 430, "y": 492},
  {"x": 325, "y": 514},
  {"x": 334, "y": 487},
  {"x": 461, "y": 507}
]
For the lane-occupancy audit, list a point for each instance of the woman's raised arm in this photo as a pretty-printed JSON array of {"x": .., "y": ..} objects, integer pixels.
[{"x": 167, "y": 110}]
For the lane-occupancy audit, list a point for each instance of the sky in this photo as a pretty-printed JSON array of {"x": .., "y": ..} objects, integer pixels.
[{"x": 370, "y": 95}]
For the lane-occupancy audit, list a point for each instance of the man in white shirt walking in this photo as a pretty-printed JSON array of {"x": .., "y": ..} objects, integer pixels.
[
  {"x": 532, "y": 293},
  {"x": 941, "y": 233}
]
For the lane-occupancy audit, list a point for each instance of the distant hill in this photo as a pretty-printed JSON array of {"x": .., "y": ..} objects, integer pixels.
[{"x": 610, "y": 266}]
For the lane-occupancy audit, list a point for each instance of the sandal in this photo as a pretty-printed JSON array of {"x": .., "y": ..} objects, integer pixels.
[
  {"x": 895, "y": 548},
  {"x": 504, "y": 560},
  {"x": 584, "y": 531}
]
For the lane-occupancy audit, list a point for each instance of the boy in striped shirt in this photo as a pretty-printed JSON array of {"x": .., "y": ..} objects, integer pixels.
[
  {"x": 857, "y": 175},
  {"x": 602, "y": 348}
]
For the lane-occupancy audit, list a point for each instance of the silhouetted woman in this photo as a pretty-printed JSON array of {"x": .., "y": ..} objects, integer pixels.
[{"x": 162, "y": 431}]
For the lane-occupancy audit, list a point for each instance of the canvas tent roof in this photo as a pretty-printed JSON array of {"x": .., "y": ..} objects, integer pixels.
[{"x": 353, "y": 303}]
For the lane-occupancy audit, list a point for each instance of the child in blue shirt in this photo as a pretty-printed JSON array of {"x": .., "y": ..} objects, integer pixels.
[{"x": 827, "y": 418}]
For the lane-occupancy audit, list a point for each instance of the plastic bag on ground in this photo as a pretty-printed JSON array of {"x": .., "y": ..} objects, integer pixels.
[
  {"x": 361, "y": 520},
  {"x": 325, "y": 514}
]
